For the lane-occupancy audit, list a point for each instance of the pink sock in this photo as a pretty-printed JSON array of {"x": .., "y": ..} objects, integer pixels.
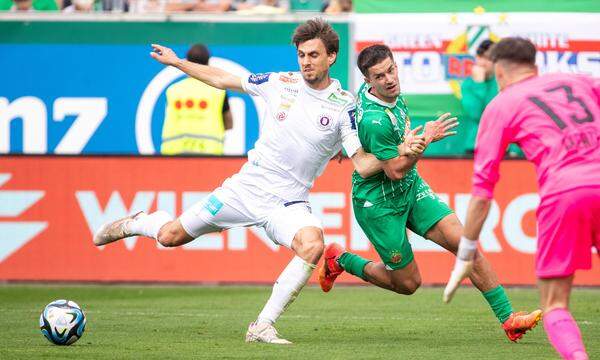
[{"x": 564, "y": 334}]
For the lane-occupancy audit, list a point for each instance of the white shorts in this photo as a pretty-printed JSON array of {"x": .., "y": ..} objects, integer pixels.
[{"x": 237, "y": 203}]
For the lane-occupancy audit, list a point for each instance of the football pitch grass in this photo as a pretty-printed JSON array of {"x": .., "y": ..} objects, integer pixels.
[{"x": 160, "y": 322}]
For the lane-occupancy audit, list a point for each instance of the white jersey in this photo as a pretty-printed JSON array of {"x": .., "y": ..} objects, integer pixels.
[{"x": 301, "y": 130}]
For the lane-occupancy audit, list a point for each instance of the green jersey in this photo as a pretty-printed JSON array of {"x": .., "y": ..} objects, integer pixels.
[{"x": 381, "y": 128}]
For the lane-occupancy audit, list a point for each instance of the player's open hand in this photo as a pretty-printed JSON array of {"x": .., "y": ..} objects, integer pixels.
[
  {"x": 414, "y": 143},
  {"x": 441, "y": 128},
  {"x": 163, "y": 55}
]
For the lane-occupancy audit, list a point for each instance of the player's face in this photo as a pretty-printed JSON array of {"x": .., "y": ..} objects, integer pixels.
[
  {"x": 383, "y": 77},
  {"x": 314, "y": 61}
]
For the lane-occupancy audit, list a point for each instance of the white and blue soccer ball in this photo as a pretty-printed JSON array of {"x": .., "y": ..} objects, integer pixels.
[{"x": 62, "y": 322}]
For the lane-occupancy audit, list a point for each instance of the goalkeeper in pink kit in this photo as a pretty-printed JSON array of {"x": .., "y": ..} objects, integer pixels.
[{"x": 555, "y": 119}]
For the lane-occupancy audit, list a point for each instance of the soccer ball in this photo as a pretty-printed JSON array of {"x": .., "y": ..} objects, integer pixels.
[{"x": 62, "y": 322}]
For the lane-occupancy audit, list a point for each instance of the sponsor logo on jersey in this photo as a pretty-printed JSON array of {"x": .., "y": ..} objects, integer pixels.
[
  {"x": 213, "y": 205},
  {"x": 288, "y": 79},
  {"x": 324, "y": 121},
  {"x": 336, "y": 99},
  {"x": 258, "y": 79},
  {"x": 291, "y": 90}
]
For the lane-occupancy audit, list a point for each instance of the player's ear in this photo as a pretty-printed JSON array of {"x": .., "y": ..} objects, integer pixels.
[
  {"x": 367, "y": 80},
  {"x": 331, "y": 58}
]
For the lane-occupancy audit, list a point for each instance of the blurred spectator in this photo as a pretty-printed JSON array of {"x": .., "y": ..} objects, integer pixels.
[
  {"x": 28, "y": 5},
  {"x": 115, "y": 5},
  {"x": 261, "y": 7},
  {"x": 197, "y": 114},
  {"x": 335, "y": 7},
  {"x": 80, "y": 6},
  {"x": 477, "y": 91},
  {"x": 147, "y": 6},
  {"x": 199, "y": 5}
]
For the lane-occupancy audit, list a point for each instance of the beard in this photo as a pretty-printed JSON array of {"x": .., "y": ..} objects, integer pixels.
[{"x": 314, "y": 79}]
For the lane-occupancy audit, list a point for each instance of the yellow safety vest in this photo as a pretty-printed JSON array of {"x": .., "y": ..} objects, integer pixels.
[{"x": 194, "y": 119}]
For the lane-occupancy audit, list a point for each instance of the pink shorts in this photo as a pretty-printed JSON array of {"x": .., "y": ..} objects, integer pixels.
[{"x": 568, "y": 227}]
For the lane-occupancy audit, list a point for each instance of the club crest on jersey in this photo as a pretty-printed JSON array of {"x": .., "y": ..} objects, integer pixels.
[
  {"x": 395, "y": 257},
  {"x": 324, "y": 121},
  {"x": 282, "y": 115}
]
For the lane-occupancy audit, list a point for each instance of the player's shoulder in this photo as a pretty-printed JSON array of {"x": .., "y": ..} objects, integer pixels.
[{"x": 373, "y": 117}]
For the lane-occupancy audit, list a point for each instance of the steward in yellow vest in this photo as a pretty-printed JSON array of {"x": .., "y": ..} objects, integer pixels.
[{"x": 197, "y": 114}]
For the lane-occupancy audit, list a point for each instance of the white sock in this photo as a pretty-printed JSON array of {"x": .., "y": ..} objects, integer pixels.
[
  {"x": 149, "y": 225},
  {"x": 286, "y": 288}
]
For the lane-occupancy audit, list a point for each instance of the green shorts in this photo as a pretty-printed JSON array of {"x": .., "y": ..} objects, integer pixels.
[{"x": 385, "y": 223}]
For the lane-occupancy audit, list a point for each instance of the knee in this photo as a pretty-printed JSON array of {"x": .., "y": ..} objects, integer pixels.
[
  {"x": 311, "y": 245},
  {"x": 407, "y": 287},
  {"x": 168, "y": 237},
  {"x": 314, "y": 247}
]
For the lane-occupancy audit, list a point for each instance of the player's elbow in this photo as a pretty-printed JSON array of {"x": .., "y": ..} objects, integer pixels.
[{"x": 363, "y": 172}]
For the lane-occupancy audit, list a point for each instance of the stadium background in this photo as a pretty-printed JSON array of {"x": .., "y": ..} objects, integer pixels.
[{"x": 81, "y": 107}]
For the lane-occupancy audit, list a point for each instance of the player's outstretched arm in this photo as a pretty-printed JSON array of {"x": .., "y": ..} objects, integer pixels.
[
  {"x": 210, "y": 75},
  {"x": 477, "y": 212},
  {"x": 441, "y": 128}
]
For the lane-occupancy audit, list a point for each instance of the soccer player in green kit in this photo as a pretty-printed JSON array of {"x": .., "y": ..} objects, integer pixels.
[{"x": 386, "y": 203}]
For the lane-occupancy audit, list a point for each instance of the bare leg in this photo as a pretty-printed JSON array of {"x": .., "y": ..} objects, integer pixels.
[
  {"x": 402, "y": 281},
  {"x": 447, "y": 233},
  {"x": 561, "y": 328}
]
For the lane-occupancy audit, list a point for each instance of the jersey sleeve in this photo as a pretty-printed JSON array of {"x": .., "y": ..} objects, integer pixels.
[
  {"x": 348, "y": 131},
  {"x": 259, "y": 84},
  {"x": 493, "y": 137},
  {"x": 378, "y": 136}
]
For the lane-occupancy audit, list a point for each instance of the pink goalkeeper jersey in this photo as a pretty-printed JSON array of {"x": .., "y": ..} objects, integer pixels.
[{"x": 555, "y": 119}]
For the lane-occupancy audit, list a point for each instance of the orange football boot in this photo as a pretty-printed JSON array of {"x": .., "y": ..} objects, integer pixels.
[
  {"x": 330, "y": 269},
  {"x": 521, "y": 322}
]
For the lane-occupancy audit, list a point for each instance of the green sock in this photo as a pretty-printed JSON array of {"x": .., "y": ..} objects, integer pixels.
[
  {"x": 499, "y": 303},
  {"x": 353, "y": 264}
]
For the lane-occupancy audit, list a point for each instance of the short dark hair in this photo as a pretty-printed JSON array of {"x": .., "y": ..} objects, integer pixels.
[
  {"x": 484, "y": 46},
  {"x": 514, "y": 50},
  {"x": 317, "y": 29},
  {"x": 371, "y": 56},
  {"x": 198, "y": 54}
]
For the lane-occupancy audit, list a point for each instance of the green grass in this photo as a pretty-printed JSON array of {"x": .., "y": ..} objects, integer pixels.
[{"x": 210, "y": 322}]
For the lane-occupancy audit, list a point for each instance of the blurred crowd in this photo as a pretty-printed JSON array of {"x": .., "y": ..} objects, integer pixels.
[{"x": 175, "y": 6}]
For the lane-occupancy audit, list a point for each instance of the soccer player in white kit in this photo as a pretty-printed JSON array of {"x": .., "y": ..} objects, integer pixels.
[{"x": 308, "y": 118}]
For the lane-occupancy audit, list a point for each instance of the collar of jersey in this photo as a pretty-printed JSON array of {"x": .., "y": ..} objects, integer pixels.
[
  {"x": 378, "y": 100},
  {"x": 335, "y": 84}
]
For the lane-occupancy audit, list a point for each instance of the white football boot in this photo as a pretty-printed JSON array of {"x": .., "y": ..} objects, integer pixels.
[
  {"x": 113, "y": 231},
  {"x": 265, "y": 333}
]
